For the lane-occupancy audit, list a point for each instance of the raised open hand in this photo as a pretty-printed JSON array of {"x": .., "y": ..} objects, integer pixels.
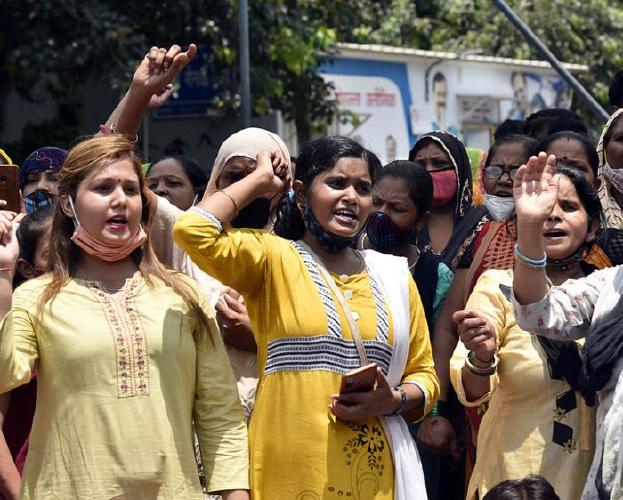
[
  {"x": 160, "y": 66},
  {"x": 535, "y": 189}
]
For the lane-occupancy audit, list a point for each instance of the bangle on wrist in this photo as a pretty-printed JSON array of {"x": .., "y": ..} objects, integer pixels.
[
  {"x": 439, "y": 409},
  {"x": 233, "y": 202},
  {"x": 527, "y": 261},
  {"x": 477, "y": 370},
  {"x": 403, "y": 401}
]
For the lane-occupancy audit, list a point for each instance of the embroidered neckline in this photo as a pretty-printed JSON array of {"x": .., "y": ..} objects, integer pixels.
[{"x": 130, "y": 341}]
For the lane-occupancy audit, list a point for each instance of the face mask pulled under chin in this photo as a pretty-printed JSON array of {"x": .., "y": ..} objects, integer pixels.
[
  {"x": 500, "y": 207},
  {"x": 254, "y": 216},
  {"x": 110, "y": 252}
]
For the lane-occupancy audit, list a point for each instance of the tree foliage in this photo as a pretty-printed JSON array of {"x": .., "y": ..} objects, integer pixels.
[{"x": 56, "y": 45}]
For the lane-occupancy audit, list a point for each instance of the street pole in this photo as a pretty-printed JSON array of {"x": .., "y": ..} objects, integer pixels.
[
  {"x": 245, "y": 82},
  {"x": 533, "y": 40}
]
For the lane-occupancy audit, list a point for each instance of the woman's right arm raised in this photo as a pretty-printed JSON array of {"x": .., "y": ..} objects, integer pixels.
[{"x": 236, "y": 258}]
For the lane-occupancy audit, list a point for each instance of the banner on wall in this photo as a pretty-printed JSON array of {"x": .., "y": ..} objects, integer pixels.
[{"x": 379, "y": 124}]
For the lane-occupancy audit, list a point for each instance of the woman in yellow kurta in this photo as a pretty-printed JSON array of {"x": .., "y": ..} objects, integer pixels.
[
  {"x": 537, "y": 421},
  {"x": 125, "y": 353},
  {"x": 306, "y": 441}
]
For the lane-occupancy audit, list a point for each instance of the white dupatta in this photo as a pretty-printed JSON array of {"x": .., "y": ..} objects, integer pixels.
[{"x": 393, "y": 275}]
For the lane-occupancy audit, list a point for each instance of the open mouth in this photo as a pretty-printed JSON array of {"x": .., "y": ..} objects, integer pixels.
[
  {"x": 117, "y": 222},
  {"x": 555, "y": 233},
  {"x": 346, "y": 217}
]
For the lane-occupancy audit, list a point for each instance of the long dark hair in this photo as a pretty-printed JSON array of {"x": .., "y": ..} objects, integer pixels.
[
  {"x": 318, "y": 156},
  {"x": 419, "y": 183},
  {"x": 586, "y": 191}
]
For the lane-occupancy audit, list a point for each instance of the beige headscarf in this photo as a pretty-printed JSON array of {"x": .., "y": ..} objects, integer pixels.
[
  {"x": 247, "y": 143},
  {"x": 613, "y": 214}
]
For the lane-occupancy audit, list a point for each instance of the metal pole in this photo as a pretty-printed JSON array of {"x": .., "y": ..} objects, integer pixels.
[
  {"x": 245, "y": 82},
  {"x": 545, "y": 53}
]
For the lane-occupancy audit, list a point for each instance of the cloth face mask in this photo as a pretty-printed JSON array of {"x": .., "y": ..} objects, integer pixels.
[
  {"x": 614, "y": 175},
  {"x": 38, "y": 199},
  {"x": 500, "y": 207},
  {"x": 104, "y": 250},
  {"x": 383, "y": 234},
  {"x": 329, "y": 241},
  {"x": 444, "y": 187}
]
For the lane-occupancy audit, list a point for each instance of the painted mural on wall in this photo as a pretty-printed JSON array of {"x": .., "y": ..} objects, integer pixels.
[{"x": 532, "y": 92}]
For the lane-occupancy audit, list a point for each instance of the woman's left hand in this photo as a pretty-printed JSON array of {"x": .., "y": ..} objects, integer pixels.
[{"x": 360, "y": 406}]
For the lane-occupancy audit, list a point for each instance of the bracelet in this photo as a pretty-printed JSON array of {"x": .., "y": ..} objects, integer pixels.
[
  {"x": 113, "y": 130},
  {"x": 527, "y": 261},
  {"x": 439, "y": 409},
  {"x": 476, "y": 370},
  {"x": 403, "y": 401},
  {"x": 231, "y": 199}
]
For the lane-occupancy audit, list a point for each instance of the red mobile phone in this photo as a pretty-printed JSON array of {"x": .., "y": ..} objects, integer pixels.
[
  {"x": 359, "y": 380},
  {"x": 9, "y": 187}
]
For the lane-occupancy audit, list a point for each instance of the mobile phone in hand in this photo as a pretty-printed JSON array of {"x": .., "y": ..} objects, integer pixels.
[{"x": 359, "y": 380}]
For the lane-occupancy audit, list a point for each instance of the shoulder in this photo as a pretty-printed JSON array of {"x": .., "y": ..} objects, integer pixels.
[
  {"x": 380, "y": 260},
  {"x": 31, "y": 290},
  {"x": 494, "y": 278}
]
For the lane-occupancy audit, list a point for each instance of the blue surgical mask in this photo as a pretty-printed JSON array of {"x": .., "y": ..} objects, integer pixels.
[{"x": 38, "y": 199}]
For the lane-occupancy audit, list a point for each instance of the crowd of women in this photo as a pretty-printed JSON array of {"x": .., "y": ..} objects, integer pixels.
[{"x": 171, "y": 335}]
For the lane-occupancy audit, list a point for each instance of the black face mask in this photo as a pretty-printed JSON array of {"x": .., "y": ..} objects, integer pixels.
[{"x": 254, "y": 216}]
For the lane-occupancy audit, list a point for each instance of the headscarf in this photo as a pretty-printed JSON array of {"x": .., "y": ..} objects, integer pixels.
[
  {"x": 455, "y": 149},
  {"x": 467, "y": 219},
  {"x": 247, "y": 143},
  {"x": 6, "y": 157},
  {"x": 613, "y": 214},
  {"x": 41, "y": 160}
]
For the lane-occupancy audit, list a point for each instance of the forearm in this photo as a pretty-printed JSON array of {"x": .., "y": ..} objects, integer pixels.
[
  {"x": 530, "y": 284},
  {"x": 414, "y": 407},
  {"x": 445, "y": 336},
  {"x": 114, "y": 116},
  {"x": 475, "y": 386},
  {"x": 235, "y": 495},
  {"x": 224, "y": 204},
  {"x": 129, "y": 112}
]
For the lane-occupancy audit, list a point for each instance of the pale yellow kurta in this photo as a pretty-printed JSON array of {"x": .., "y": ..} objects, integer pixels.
[
  {"x": 516, "y": 434},
  {"x": 298, "y": 449},
  {"x": 120, "y": 381}
]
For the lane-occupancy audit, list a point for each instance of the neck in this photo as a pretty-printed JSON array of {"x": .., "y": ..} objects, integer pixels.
[
  {"x": 440, "y": 227},
  {"x": 343, "y": 262},
  {"x": 559, "y": 276},
  {"x": 111, "y": 274}
]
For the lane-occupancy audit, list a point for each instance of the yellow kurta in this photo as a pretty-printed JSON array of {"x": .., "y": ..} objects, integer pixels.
[
  {"x": 120, "y": 380},
  {"x": 298, "y": 449},
  {"x": 517, "y": 431}
]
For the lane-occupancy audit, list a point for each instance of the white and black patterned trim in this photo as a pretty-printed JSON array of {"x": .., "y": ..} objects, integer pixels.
[
  {"x": 212, "y": 218},
  {"x": 382, "y": 316},
  {"x": 323, "y": 353},
  {"x": 335, "y": 329}
]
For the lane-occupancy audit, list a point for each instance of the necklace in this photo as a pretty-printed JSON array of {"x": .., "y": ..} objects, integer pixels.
[{"x": 568, "y": 262}]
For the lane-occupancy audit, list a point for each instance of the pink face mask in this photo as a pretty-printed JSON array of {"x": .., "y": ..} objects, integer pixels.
[
  {"x": 109, "y": 252},
  {"x": 444, "y": 187}
]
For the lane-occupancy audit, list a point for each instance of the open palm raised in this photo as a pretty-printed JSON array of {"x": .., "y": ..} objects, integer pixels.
[{"x": 535, "y": 189}]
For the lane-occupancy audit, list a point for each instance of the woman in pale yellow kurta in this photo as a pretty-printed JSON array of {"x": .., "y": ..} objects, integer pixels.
[
  {"x": 299, "y": 448},
  {"x": 127, "y": 354},
  {"x": 519, "y": 430},
  {"x": 538, "y": 421}
]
